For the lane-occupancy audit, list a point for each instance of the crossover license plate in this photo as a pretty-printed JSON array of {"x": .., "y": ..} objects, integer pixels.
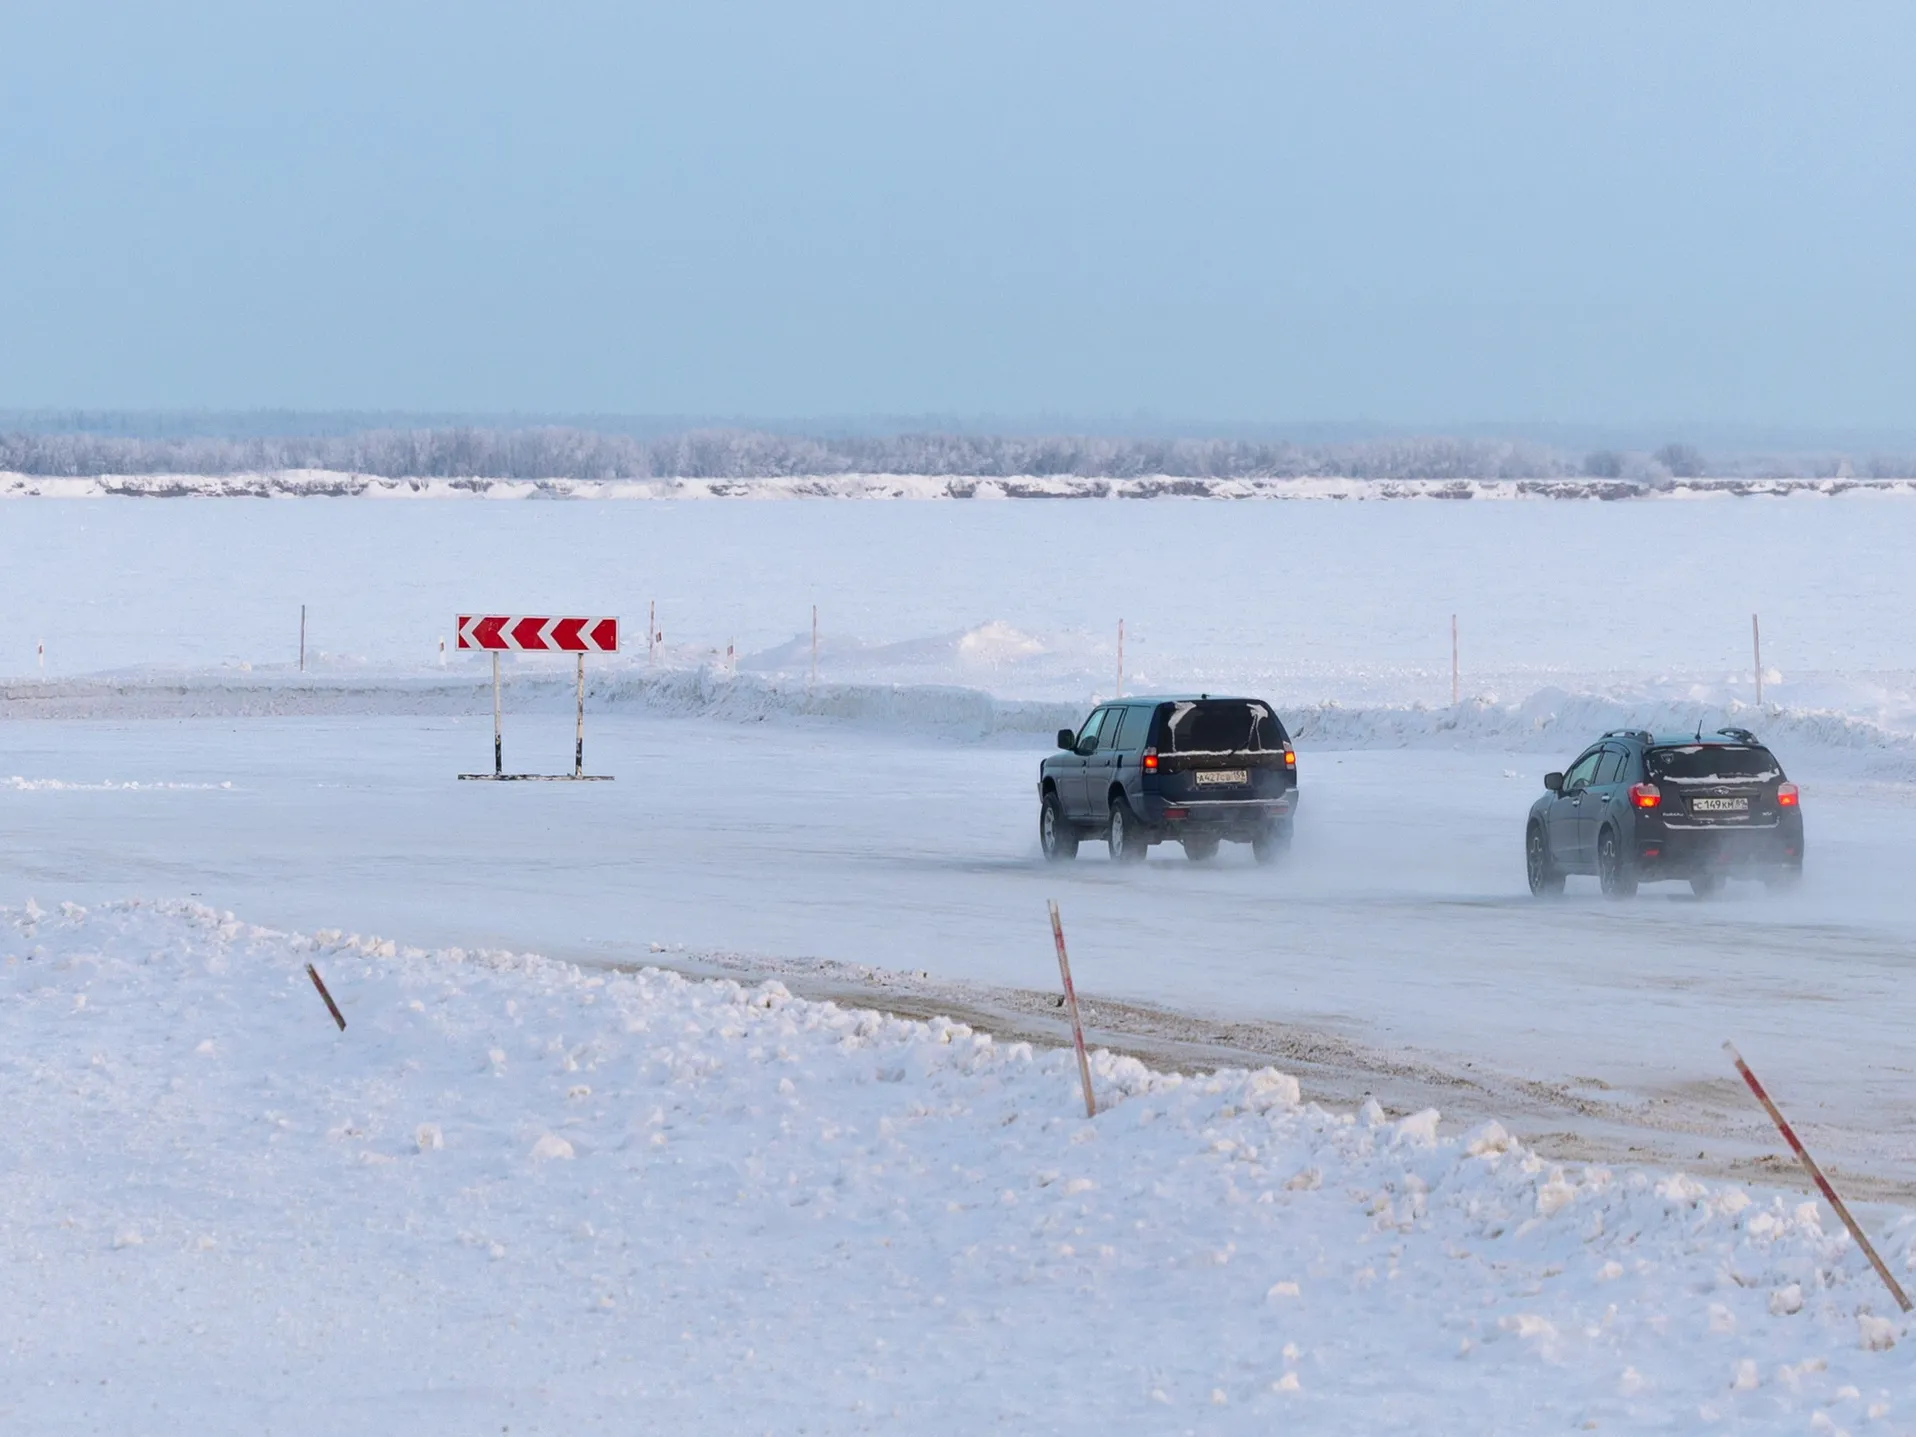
[
  {"x": 1720, "y": 805},
  {"x": 1210, "y": 776}
]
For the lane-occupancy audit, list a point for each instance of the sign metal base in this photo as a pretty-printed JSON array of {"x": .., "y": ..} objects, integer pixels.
[{"x": 537, "y": 777}]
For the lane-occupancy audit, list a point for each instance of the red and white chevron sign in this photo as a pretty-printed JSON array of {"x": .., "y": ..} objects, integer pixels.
[{"x": 538, "y": 633}]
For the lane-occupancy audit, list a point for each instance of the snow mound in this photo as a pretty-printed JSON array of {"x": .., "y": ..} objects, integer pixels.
[{"x": 513, "y": 1191}]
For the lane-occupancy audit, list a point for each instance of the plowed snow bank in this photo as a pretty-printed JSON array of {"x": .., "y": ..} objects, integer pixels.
[{"x": 514, "y": 1192}]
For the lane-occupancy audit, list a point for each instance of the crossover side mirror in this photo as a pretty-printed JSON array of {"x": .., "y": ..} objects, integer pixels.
[
  {"x": 1067, "y": 739},
  {"x": 1553, "y": 782}
]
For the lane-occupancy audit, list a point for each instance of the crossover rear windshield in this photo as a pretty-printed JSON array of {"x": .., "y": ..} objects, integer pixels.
[
  {"x": 1697, "y": 762},
  {"x": 1219, "y": 726}
]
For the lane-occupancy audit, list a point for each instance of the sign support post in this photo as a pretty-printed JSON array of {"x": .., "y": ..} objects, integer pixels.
[
  {"x": 578, "y": 734},
  {"x": 499, "y": 633},
  {"x": 498, "y": 753}
]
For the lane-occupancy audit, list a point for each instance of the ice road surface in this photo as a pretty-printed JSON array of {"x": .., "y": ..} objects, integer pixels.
[
  {"x": 1396, "y": 953},
  {"x": 516, "y": 1196}
]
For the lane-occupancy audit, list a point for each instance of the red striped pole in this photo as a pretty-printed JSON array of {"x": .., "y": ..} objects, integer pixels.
[
  {"x": 1816, "y": 1176},
  {"x": 1071, "y": 1005}
]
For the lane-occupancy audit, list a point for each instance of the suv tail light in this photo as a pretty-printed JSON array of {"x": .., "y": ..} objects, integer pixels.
[
  {"x": 1787, "y": 796},
  {"x": 1290, "y": 758},
  {"x": 1645, "y": 795},
  {"x": 1150, "y": 760}
]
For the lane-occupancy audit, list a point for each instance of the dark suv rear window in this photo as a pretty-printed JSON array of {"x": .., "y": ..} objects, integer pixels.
[
  {"x": 1219, "y": 726},
  {"x": 1702, "y": 761}
]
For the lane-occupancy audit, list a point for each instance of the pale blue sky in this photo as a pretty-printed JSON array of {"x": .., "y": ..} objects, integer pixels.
[{"x": 1407, "y": 213}]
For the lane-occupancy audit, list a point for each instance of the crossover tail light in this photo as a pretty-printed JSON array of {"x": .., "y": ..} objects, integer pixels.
[
  {"x": 1645, "y": 795},
  {"x": 1787, "y": 796}
]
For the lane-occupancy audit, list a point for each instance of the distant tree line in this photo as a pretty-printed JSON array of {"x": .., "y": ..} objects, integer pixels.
[{"x": 553, "y": 452}]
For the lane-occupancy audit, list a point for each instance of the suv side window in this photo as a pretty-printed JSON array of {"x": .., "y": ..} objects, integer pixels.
[
  {"x": 1610, "y": 769},
  {"x": 1088, "y": 735},
  {"x": 1131, "y": 735},
  {"x": 1581, "y": 771}
]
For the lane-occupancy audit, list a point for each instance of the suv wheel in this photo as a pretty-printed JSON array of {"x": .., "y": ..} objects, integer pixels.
[
  {"x": 1706, "y": 885},
  {"x": 1272, "y": 842},
  {"x": 1200, "y": 848},
  {"x": 1058, "y": 839},
  {"x": 1545, "y": 879},
  {"x": 1615, "y": 875},
  {"x": 1126, "y": 840}
]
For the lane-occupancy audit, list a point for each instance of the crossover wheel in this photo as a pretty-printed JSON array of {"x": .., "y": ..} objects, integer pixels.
[
  {"x": 1273, "y": 843},
  {"x": 1615, "y": 875},
  {"x": 1056, "y": 837},
  {"x": 1125, "y": 839},
  {"x": 1200, "y": 848},
  {"x": 1545, "y": 880}
]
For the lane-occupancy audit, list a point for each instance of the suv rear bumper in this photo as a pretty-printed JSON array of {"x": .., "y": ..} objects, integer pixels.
[
  {"x": 1226, "y": 817},
  {"x": 1680, "y": 852}
]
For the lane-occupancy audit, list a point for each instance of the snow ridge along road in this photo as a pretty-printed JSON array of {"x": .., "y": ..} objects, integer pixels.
[{"x": 584, "y": 1195}]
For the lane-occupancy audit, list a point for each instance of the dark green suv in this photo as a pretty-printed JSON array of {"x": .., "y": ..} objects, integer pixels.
[{"x": 1197, "y": 770}]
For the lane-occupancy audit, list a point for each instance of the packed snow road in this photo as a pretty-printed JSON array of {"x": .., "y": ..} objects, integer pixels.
[{"x": 1396, "y": 953}]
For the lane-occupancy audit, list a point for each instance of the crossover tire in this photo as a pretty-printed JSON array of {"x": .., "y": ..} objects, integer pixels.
[
  {"x": 1546, "y": 881},
  {"x": 1615, "y": 874}
]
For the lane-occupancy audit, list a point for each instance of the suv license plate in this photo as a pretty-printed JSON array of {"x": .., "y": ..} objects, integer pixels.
[
  {"x": 1720, "y": 805},
  {"x": 1210, "y": 776}
]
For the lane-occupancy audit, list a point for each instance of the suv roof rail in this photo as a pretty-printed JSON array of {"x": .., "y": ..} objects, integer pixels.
[
  {"x": 1642, "y": 734},
  {"x": 1741, "y": 735}
]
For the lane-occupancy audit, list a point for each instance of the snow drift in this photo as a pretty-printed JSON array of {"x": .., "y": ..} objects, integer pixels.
[{"x": 517, "y": 1192}]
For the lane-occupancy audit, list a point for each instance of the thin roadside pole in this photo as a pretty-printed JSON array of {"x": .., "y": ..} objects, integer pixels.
[
  {"x": 652, "y": 632},
  {"x": 1456, "y": 690},
  {"x": 1756, "y": 644},
  {"x": 1816, "y": 1176},
  {"x": 1120, "y": 692},
  {"x": 1071, "y": 1005}
]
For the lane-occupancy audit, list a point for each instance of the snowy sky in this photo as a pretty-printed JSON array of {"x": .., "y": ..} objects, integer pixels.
[{"x": 1244, "y": 210}]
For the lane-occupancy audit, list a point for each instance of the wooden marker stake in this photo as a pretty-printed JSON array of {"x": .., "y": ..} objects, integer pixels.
[
  {"x": 1071, "y": 1005},
  {"x": 1816, "y": 1176},
  {"x": 331, "y": 1006}
]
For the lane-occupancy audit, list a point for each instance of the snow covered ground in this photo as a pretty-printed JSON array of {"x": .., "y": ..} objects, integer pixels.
[
  {"x": 872, "y": 838},
  {"x": 1649, "y": 601},
  {"x": 517, "y": 1196}
]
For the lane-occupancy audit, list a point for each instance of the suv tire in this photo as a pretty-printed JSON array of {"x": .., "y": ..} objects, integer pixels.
[
  {"x": 1616, "y": 876},
  {"x": 1273, "y": 842},
  {"x": 1124, "y": 838},
  {"x": 1706, "y": 885},
  {"x": 1546, "y": 879},
  {"x": 1056, "y": 836}
]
